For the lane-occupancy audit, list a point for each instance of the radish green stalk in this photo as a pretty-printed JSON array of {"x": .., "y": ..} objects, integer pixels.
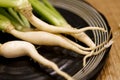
[
  {"x": 17, "y": 25},
  {"x": 19, "y": 17},
  {"x": 51, "y": 9},
  {"x": 25, "y": 21},
  {"x": 50, "y": 18},
  {"x": 9, "y": 3},
  {"x": 47, "y": 14},
  {"x": 48, "y": 4},
  {"x": 13, "y": 49},
  {"x": 15, "y": 15},
  {"x": 14, "y": 21}
]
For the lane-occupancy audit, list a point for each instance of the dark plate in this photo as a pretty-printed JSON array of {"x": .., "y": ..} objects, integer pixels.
[{"x": 78, "y": 14}]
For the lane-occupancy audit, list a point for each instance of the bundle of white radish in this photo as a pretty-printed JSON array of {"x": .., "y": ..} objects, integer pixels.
[
  {"x": 54, "y": 40},
  {"x": 37, "y": 37},
  {"x": 40, "y": 37},
  {"x": 25, "y": 8},
  {"x": 14, "y": 49}
]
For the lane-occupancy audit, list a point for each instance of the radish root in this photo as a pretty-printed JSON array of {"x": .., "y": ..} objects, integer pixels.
[
  {"x": 100, "y": 48},
  {"x": 13, "y": 49}
]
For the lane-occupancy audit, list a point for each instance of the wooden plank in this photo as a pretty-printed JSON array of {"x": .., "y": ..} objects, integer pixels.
[{"x": 111, "y": 10}]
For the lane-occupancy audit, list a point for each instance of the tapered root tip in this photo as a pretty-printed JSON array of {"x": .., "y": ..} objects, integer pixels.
[
  {"x": 109, "y": 44},
  {"x": 102, "y": 29},
  {"x": 92, "y": 28}
]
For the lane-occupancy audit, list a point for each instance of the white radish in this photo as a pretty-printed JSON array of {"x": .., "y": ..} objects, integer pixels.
[
  {"x": 45, "y": 38},
  {"x": 13, "y": 49},
  {"x": 41, "y": 25}
]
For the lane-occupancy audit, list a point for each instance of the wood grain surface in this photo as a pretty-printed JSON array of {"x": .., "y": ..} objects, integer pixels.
[{"x": 111, "y": 10}]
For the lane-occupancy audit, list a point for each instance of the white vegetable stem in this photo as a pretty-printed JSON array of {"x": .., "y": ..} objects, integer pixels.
[{"x": 13, "y": 49}]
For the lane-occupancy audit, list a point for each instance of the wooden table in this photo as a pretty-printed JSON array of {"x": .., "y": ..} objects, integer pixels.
[{"x": 111, "y": 10}]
